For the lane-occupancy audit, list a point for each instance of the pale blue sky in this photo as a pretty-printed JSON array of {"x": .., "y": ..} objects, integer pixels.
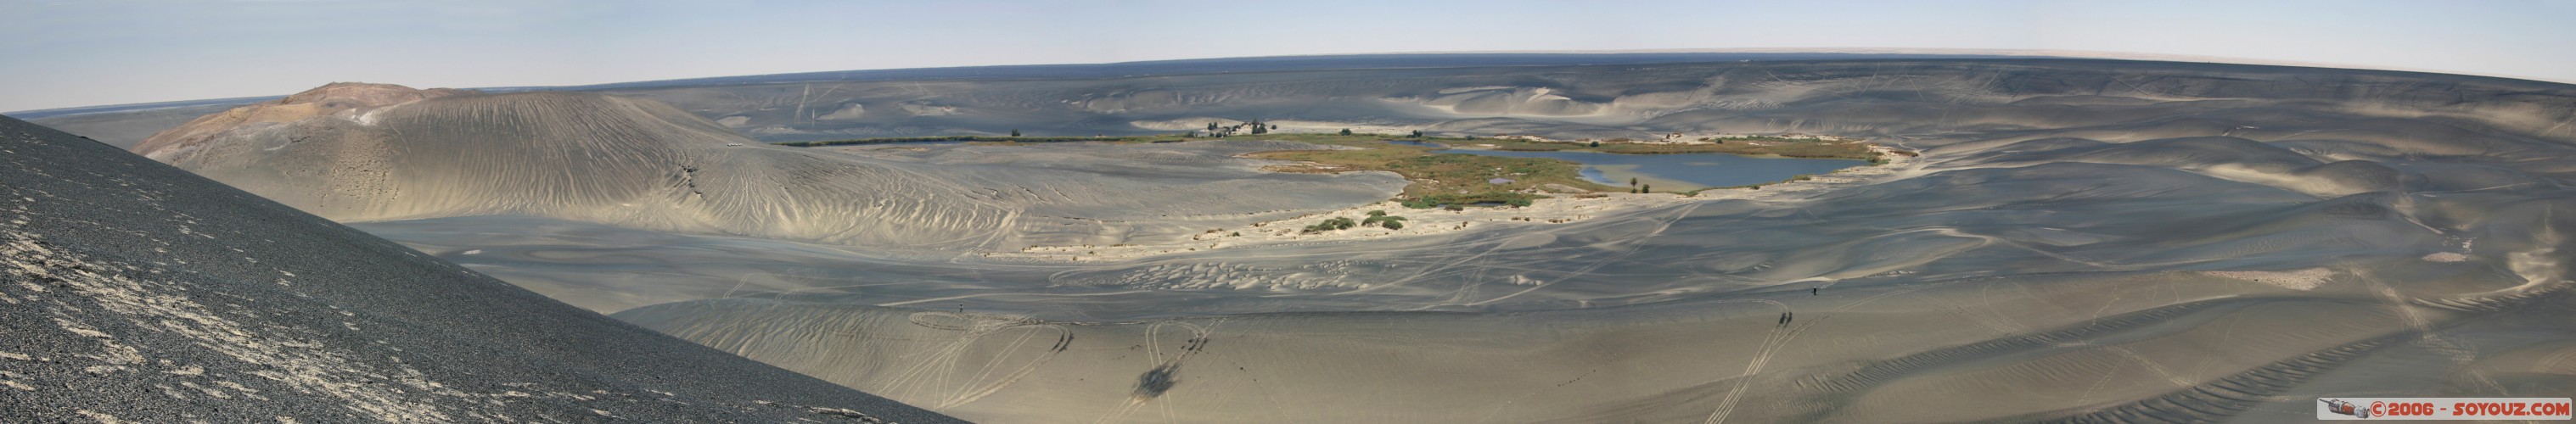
[{"x": 91, "y": 52}]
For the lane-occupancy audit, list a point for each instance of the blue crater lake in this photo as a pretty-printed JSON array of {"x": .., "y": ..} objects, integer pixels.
[{"x": 1676, "y": 172}]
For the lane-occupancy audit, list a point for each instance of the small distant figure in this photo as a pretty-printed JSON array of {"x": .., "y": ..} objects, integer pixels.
[
  {"x": 1811, "y": 291},
  {"x": 1784, "y": 318}
]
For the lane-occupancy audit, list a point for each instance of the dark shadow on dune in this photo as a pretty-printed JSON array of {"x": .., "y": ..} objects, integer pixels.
[{"x": 1158, "y": 380}]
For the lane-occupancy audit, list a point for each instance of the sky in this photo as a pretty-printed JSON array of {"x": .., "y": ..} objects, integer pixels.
[{"x": 61, "y": 53}]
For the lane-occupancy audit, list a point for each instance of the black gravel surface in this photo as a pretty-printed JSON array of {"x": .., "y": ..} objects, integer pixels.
[{"x": 131, "y": 291}]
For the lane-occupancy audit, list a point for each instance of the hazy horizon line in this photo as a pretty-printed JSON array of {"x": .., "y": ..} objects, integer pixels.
[{"x": 2018, "y": 53}]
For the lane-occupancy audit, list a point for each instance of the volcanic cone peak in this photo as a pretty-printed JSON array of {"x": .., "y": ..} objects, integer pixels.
[
  {"x": 390, "y": 152},
  {"x": 347, "y": 100},
  {"x": 642, "y": 164},
  {"x": 364, "y": 94}
]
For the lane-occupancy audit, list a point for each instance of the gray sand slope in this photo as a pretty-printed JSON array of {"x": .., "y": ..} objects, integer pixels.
[
  {"x": 137, "y": 292},
  {"x": 352, "y": 152},
  {"x": 1861, "y": 97},
  {"x": 127, "y": 125},
  {"x": 2082, "y": 241}
]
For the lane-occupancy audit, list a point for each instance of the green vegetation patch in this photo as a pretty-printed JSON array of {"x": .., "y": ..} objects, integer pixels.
[
  {"x": 1375, "y": 219},
  {"x": 1454, "y": 179},
  {"x": 1440, "y": 178},
  {"x": 1381, "y": 219},
  {"x": 1336, "y": 223}
]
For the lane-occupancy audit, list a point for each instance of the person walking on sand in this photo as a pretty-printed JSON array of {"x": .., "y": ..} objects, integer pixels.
[{"x": 1811, "y": 291}]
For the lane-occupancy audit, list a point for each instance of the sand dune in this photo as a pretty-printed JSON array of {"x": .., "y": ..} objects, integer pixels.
[
  {"x": 2060, "y": 291},
  {"x": 394, "y": 153},
  {"x": 1859, "y": 98},
  {"x": 2045, "y": 261},
  {"x": 2080, "y": 240}
]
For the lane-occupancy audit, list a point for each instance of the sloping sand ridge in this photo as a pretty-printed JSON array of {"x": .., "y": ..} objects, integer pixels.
[{"x": 2080, "y": 240}]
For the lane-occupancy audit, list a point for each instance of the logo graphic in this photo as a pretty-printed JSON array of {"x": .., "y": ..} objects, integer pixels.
[
  {"x": 2346, "y": 408},
  {"x": 2416, "y": 409}
]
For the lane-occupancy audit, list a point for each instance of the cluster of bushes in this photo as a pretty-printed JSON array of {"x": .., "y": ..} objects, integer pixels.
[
  {"x": 1375, "y": 219},
  {"x": 1381, "y": 219},
  {"x": 1337, "y": 223},
  {"x": 1634, "y": 187},
  {"x": 1876, "y": 158}
]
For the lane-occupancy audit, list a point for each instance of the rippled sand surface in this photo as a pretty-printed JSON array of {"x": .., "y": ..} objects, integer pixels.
[{"x": 2080, "y": 240}]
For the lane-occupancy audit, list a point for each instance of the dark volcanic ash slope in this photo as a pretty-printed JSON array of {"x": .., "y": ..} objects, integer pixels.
[{"x": 133, "y": 291}]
